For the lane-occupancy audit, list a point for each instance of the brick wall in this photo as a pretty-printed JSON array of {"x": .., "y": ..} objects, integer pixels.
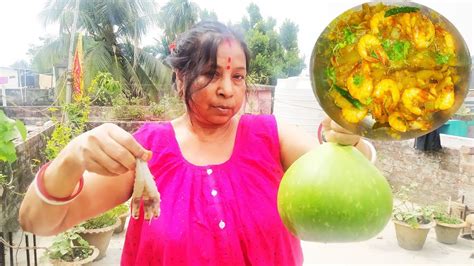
[
  {"x": 439, "y": 175},
  {"x": 30, "y": 155},
  {"x": 259, "y": 100},
  {"x": 28, "y": 96}
]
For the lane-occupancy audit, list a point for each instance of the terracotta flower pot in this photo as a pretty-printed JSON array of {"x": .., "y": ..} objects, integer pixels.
[
  {"x": 123, "y": 220},
  {"x": 86, "y": 261},
  {"x": 100, "y": 238},
  {"x": 448, "y": 233},
  {"x": 412, "y": 238}
]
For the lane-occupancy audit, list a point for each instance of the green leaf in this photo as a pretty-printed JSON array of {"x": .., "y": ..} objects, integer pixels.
[
  {"x": 368, "y": 100},
  {"x": 330, "y": 74},
  {"x": 442, "y": 59},
  {"x": 374, "y": 55},
  {"x": 386, "y": 44},
  {"x": 7, "y": 152},
  {"x": 348, "y": 97},
  {"x": 349, "y": 36},
  {"x": 396, "y": 50},
  {"x": 21, "y": 128},
  {"x": 101, "y": 221},
  {"x": 401, "y": 9},
  {"x": 358, "y": 79}
]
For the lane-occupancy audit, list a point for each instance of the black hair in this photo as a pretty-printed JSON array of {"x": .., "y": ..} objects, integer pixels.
[{"x": 195, "y": 53}]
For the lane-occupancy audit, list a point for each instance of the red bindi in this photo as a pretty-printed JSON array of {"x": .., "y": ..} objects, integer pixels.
[{"x": 228, "y": 67}]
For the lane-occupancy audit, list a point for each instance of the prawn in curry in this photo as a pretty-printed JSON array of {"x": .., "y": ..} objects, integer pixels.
[{"x": 393, "y": 64}]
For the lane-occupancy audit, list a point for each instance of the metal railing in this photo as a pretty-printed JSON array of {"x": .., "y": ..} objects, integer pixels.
[{"x": 14, "y": 254}]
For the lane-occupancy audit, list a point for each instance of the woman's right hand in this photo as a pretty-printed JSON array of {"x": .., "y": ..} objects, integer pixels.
[{"x": 108, "y": 150}]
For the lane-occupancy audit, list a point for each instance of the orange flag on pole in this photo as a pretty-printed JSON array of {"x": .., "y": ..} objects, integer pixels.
[{"x": 77, "y": 74}]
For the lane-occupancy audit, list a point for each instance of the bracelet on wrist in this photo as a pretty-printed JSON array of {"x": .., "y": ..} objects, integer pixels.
[{"x": 48, "y": 198}]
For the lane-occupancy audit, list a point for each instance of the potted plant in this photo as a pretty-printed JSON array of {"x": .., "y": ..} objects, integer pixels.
[
  {"x": 447, "y": 227},
  {"x": 98, "y": 231},
  {"x": 121, "y": 212},
  {"x": 69, "y": 248},
  {"x": 412, "y": 223}
]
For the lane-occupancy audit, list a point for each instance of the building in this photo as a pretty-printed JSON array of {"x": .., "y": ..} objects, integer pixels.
[{"x": 19, "y": 86}]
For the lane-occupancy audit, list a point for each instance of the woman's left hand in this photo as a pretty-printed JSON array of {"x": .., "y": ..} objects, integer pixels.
[{"x": 335, "y": 133}]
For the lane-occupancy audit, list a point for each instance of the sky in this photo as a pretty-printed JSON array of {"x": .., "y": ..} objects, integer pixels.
[{"x": 20, "y": 25}]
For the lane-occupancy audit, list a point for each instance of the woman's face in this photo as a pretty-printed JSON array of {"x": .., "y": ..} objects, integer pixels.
[{"x": 222, "y": 97}]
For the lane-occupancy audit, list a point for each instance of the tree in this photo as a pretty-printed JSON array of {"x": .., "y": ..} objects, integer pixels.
[
  {"x": 254, "y": 15},
  {"x": 289, "y": 35},
  {"x": 20, "y": 64},
  {"x": 274, "y": 54},
  {"x": 112, "y": 33},
  {"x": 208, "y": 15},
  {"x": 177, "y": 16}
]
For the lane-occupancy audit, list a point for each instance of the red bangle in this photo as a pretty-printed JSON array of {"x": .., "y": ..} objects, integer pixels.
[{"x": 42, "y": 190}]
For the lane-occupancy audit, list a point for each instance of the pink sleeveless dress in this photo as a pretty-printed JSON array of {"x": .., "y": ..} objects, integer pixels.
[{"x": 223, "y": 214}]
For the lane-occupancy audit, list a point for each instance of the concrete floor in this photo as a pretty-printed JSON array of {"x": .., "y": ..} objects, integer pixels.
[
  {"x": 381, "y": 250},
  {"x": 384, "y": 249}
]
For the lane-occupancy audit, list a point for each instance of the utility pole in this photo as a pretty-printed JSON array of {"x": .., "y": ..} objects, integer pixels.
[{"x": 70, "y": 60}]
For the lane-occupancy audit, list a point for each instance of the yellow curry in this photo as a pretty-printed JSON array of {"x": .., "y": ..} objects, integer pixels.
[{"x": 393, "y": 64}]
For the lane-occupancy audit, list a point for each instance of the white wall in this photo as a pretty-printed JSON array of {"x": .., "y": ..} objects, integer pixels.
[
  {"x": 295, "y": 103},
  {"x": 12, "y": 75}
]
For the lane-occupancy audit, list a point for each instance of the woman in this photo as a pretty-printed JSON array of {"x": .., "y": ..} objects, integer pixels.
[{"x": 217, "y": 171}]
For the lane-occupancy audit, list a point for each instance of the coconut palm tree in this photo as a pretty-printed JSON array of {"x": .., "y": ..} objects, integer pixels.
[
  {"x": 176, "y": 16},
  {"x": 112, "y": 32}
]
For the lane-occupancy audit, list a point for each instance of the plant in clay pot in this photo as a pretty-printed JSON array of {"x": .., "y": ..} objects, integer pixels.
[
  {"x": 412, "y": 222},
  {"x": 69, "y": 248},
  {"x": 99, "y": 230},
  {"x": 447, "y": 227},
  {"x": 122, "y": 211}
]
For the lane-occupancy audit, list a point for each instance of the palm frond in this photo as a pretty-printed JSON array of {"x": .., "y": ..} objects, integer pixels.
[
  {"x": 177, "y": 16},
  {"x": 126, "y": 53},
  {"x": 159, "y": 73},
  {"x": 97, "y": 58},
  {"x": 53, "y": 51},
  {"x": 54, "y": 10}
]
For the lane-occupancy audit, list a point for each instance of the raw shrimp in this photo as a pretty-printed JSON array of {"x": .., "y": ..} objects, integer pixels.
[
  {"x": 397, "y": 122},
  {"x": 414, "y": 98},
  {"x": 370, "y": 49},
  {"x": 144, "y": 190},
  {"x": 359, "y": 82}
]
